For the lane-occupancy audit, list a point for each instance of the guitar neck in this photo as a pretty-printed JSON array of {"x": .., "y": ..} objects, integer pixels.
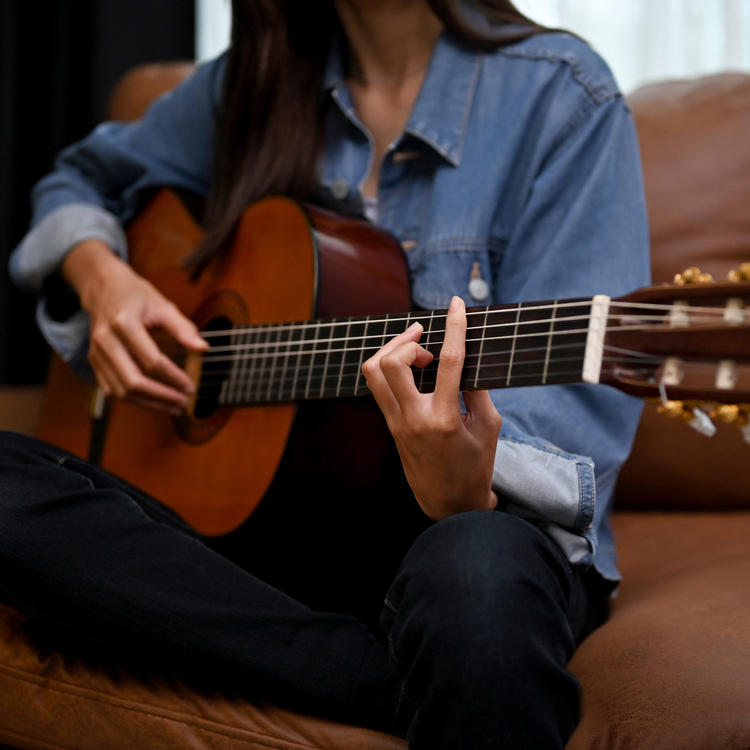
[{"x": 506, "y": 346}]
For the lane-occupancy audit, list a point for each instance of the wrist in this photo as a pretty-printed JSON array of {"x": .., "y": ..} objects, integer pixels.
[{"x": 87, "y": 267}]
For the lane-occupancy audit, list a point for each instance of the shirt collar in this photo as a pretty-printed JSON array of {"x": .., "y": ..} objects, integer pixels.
[{"x": 440, "y": 114}]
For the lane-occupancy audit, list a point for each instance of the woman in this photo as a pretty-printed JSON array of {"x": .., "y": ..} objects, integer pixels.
[{"x": 504, "y": 160}]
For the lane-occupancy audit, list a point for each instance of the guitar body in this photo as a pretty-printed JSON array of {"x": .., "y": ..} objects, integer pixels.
[{"x": 286, "y": 264}]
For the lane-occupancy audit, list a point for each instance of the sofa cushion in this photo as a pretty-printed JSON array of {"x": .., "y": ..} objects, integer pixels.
[
  {"x": 61, "y": 698},
  {"x": 669, "y": 668}
]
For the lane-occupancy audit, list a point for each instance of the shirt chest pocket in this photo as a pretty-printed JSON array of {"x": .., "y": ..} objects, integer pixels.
[{"x": 463, "y": 267}]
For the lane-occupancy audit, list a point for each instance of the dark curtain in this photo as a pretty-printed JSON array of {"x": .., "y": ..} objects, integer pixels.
[{"x": 59, "y": 60}]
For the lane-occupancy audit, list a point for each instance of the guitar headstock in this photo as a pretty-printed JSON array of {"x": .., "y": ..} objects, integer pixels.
[{"x": 685, "y": 346}]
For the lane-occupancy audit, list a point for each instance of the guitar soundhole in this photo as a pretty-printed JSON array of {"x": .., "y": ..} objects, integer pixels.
[
  {"x": 215, "y": 369},
  {"x": 219, "y": 313}
]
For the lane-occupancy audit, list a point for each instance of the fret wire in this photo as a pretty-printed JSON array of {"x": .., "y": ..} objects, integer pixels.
[
  {"x": 228, "y": 387},
  {"x": 272, "y": 372},
  {"x": 385, "y": 331},
  {"x": 361, "y": 357},
  {"x": 513, "y": 346},
  {"x": 256, "y": 367},
  {"x": 481, "y": 346},
  {"x": 246, "y": 339},
  {"x": 343, "y": 359},
  {"x": 262, "y": 374},
  {"x": 426, "y": 346},
  {"x": 326, "y": 361},
  {"x": 297, "y": 367},
  {"x": 286, "y": 363},
  {"x": 312, "y": 360},
  {"x": 244, "y": 342},
  {"x": 549, "y": 344}
]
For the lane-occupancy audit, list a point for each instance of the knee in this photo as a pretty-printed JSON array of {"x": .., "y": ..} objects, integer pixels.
[
  {"x": 483, "y": 583},
  {"x": 481, "y": 558}
]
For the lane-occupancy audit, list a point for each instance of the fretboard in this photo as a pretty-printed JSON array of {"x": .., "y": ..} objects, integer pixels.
[{"x": 506, "y": 346}]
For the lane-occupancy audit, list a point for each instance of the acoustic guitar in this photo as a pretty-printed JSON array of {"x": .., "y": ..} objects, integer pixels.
[{"x": 305, "y": 297}]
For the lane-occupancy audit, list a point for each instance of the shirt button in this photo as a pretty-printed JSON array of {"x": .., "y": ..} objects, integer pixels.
[
  {"x": 479, "y": 289},
  {"x": 339, "y": 189},
  {"x": 407, "y": 245}
]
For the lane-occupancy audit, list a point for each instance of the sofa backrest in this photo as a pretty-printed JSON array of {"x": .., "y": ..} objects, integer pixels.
[{"x": 695, "y": 144}]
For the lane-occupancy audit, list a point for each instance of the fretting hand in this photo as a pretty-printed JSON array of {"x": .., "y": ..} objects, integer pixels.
[
  {"x": 448, "y": 457},
  {"x": 124, "y": 308}
]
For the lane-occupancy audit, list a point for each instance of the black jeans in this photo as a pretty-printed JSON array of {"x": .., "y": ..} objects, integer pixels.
[{"x": 478, "y": 624}]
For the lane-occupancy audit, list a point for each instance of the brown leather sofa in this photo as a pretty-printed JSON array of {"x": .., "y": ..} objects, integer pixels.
[{"x": 671, "y": 667}]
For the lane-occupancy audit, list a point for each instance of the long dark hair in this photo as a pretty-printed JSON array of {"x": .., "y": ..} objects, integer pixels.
[{"x": 269, "y": 130}]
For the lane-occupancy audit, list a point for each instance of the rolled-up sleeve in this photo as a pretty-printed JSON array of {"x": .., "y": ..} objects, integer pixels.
[{"x": 100, "y": 182}]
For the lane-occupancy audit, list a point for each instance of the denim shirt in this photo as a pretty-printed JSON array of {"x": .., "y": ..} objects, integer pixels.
[{"x": 517, "y": 168}]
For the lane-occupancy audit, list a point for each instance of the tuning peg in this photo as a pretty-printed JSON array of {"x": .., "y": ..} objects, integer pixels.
[
  {"x": 673, "y": 409},
  {"x": 693, "y": 275},
  {"x": 702, "y": 423},
  {"x": 727, "y": 413},
  {"x": 695, "y": 418},
  {"x": 741, "y": 274}
]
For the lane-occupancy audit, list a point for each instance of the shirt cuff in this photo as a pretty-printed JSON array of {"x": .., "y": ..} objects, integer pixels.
[
  {"x": 44, "y": 247},
  {"x": 68, "y": 338},
  {"x": 553, "y": 489}
]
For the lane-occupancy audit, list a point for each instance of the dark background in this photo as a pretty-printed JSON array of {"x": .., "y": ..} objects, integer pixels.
[{"x": 59, "y": 59}]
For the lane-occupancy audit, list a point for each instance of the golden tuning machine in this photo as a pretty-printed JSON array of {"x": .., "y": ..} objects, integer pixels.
[
  {"x": 674, "y": 409},
  {"x": 741, "y": 274},
  {"x": 730, "y": 414},
  {"x": 693, "y": 275}
]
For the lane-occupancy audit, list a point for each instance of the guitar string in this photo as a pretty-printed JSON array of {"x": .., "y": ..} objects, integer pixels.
[
  {"x": 291, "y": 395},
  {"x": 294, "y": 348},
  {"x": 489, "y": 359},
  {"x": 636, "y": 360},
  {"x": 397, "y": 317},
  {"x": 280, "y": 328}
]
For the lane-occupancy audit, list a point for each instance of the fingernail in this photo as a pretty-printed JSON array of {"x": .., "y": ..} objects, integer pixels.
[
  {"x": 414, "y": 327},
  {"x": 455, "y": 304}
]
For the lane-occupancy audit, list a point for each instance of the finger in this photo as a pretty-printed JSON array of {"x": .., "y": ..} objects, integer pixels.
[
  {"x": 482, "y": 412},
  {"x": 412, "y": 333},
  {"x": 374, "y": 377},
  {"x": 396, "y": 368},
  {"x": 154, "y": 404},
  {"x": 451, "y": 358},
  {"x": 181, "y": 327},
  {"x": 151, "y": 360},
  {"x": 130, "y": 380}
]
